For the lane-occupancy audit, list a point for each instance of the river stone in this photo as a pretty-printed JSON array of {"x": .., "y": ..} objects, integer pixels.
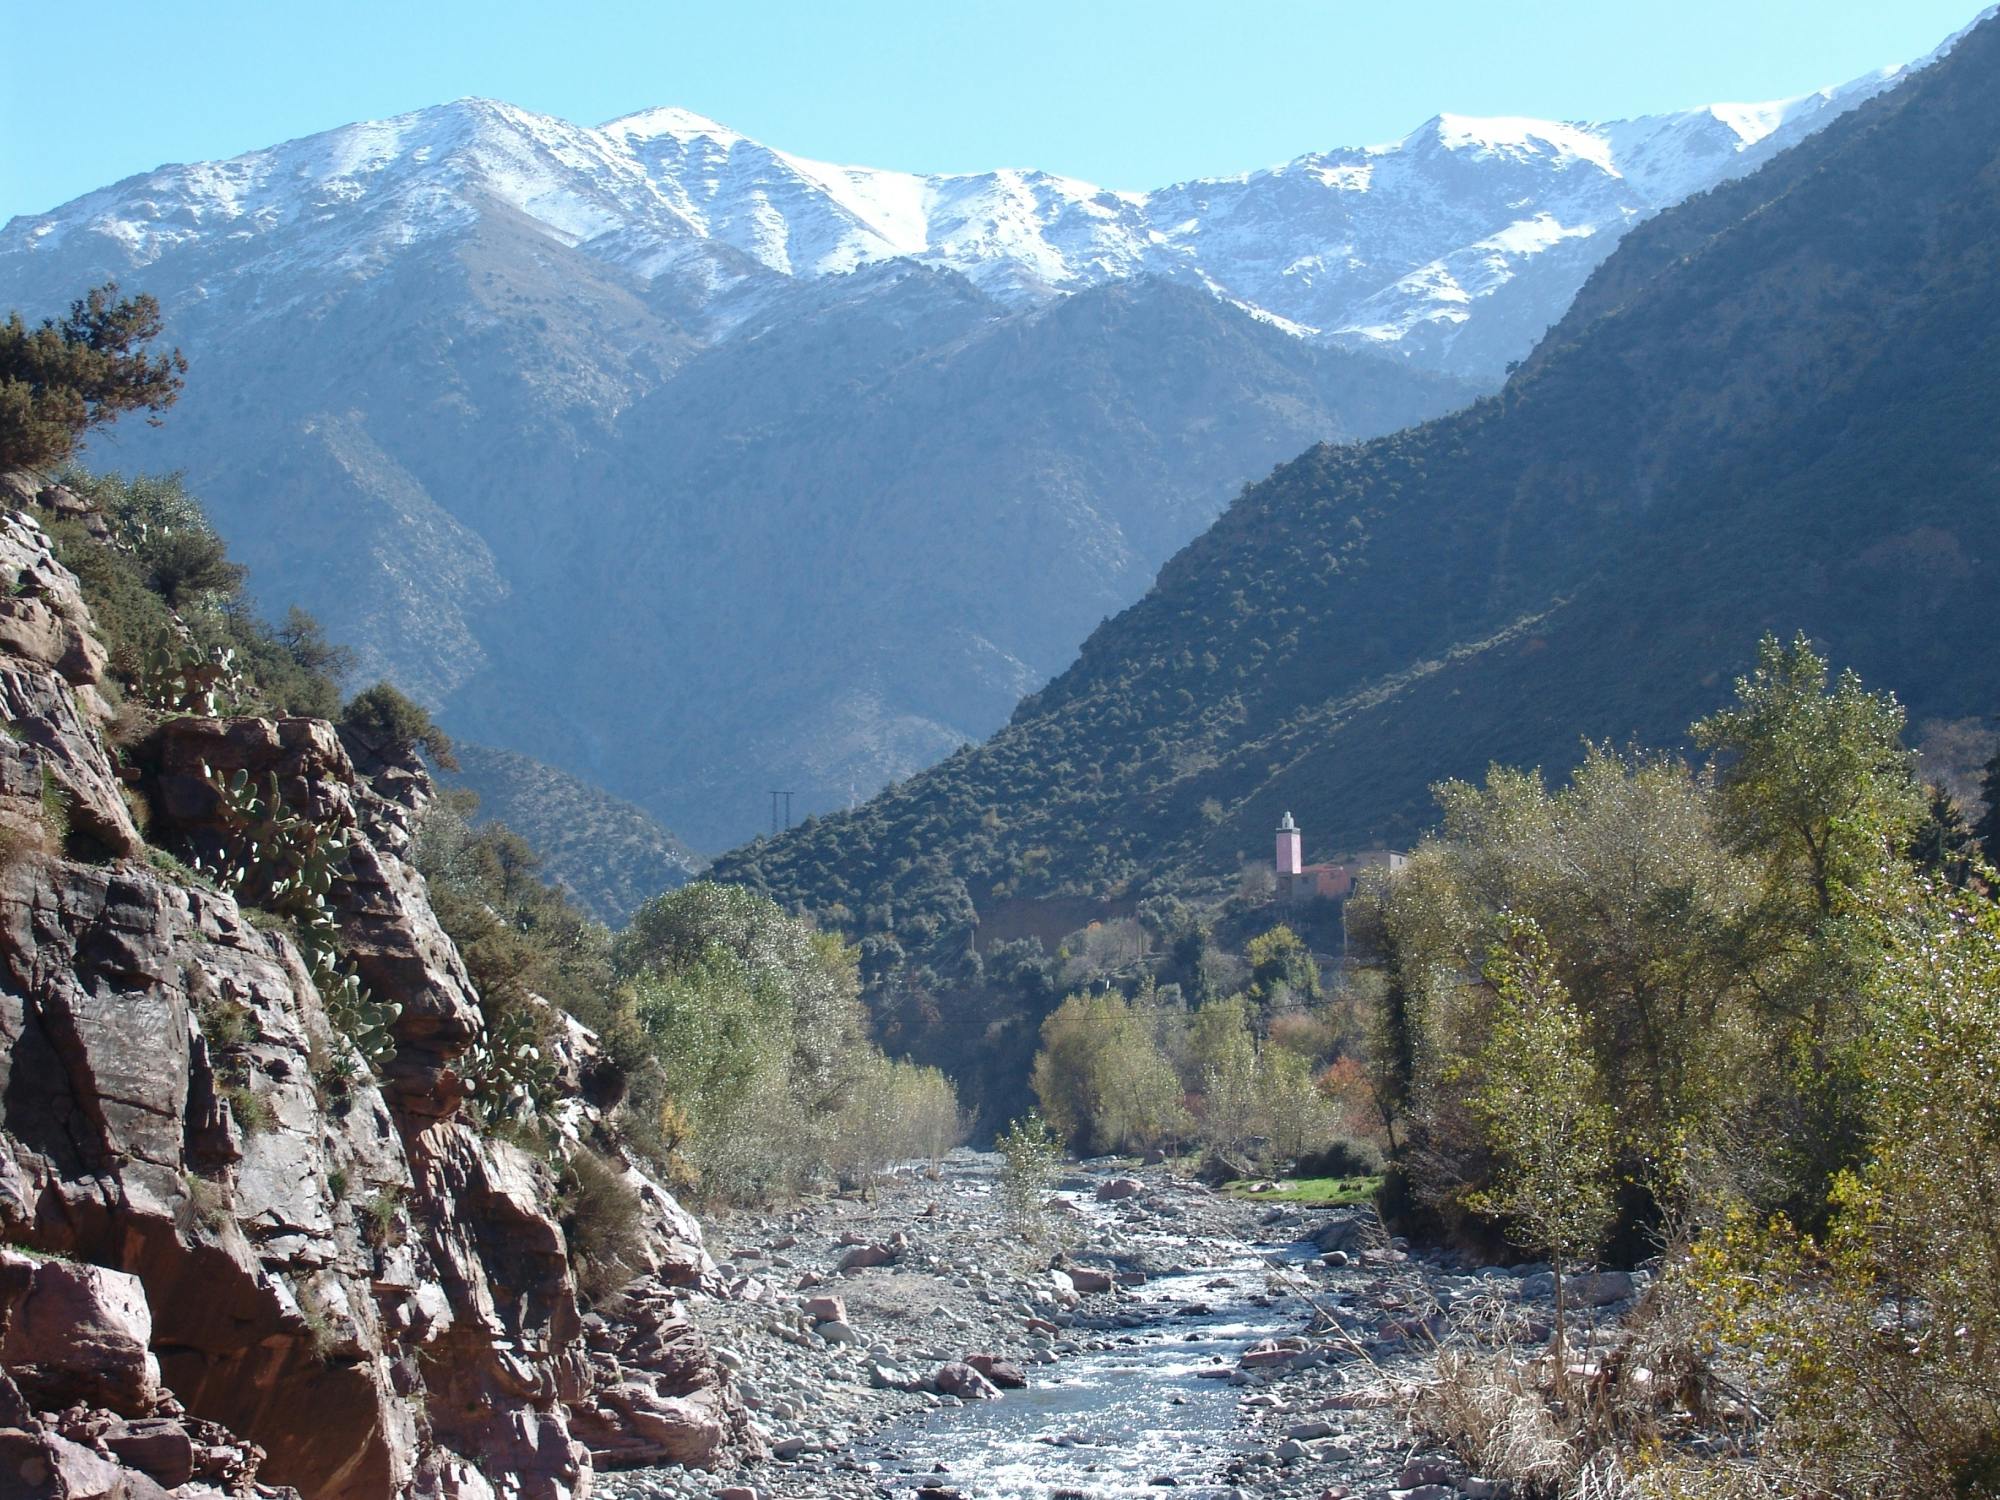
[
  {"x": 1006, "y": 1376},
  {"x": 961, "y": 1380},
  {"x": 824, "y": 1309},
  {"x": 862, "y": 1257},
  {"x": 1423, "y": 1471}
]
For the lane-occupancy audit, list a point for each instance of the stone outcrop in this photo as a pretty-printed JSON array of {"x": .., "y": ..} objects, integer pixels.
[
  {"x": 275, "y": 1268},
  {"x": 82, "y": 1413},
  {"x": 658, "y": 1396}
]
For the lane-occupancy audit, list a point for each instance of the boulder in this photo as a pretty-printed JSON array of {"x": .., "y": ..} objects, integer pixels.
[
  {"x": 661, "y": 1395},
  {"x": 1088, "y": 1281},
  {"x": 1007, "y": 1377},
  {"x": 888, "y": 1377},
  {"x": 861, "y": 1257},
  {"x": 1350, "y": 1232},
  {"x": 961, "y": 1380},
  {"x": 1266, "y": 1353},
  {"x": 1119, "y": 1187},
  {"x": 824, "y": 1309},
  {"x": 159, "y": 1447},
  {"x": 77, "y": 1334},
  {"x": 1600, "y": 1288}
]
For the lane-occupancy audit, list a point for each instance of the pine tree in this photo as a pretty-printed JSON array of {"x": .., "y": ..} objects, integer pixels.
[{"x": 61, "y": 379}]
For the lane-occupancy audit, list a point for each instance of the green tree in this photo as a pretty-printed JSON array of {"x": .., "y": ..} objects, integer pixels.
[
  {"x": 1876, "y": 1346},
  {"x": 1030, "y": 1153},
  {"x": 1102, "y": 1078},
  {"x": 1815, "y": 779},
  {"x": 1987, "y": 829},
  {"x": 1943, "y": 844},
  {"x": 1540, "y": 1101},
  {"x": 1282, "y": 966},
  {"x": 1221, "y": 1065},
  {"x": 60, "y": 379},
  {"x": 388, "y": 722},
  {"x": 1816, "y": 786}
]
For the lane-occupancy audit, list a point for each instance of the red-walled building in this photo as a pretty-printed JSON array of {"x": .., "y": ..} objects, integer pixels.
[{"x": 1299, "y": 882}]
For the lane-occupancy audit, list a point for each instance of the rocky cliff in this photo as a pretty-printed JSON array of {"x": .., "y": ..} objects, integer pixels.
[{"x": 241, "y": 1256}]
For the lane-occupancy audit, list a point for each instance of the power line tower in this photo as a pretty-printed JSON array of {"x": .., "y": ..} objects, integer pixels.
[{"x": 775, "y": 829}]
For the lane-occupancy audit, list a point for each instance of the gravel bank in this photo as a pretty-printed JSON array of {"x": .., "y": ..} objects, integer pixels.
[{"x": 1165, "y": 1337}]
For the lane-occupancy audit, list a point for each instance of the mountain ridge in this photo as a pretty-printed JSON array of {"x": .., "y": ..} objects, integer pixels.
[
  {"x": 1764, "y": 417},
  {"x": 665, "y": 192}
]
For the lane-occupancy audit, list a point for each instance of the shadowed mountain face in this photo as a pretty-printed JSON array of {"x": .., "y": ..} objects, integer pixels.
[
  {"x": 1769, "y": 411},
  {"x": 817, "y": 557},
  {"x": 699, "y": 469}
]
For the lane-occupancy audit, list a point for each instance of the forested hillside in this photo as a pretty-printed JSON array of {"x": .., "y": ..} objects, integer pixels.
[
  {"x": 578, "y": 434},
  {"x": 1770, "y": 410},
  {"x": 607, "y": 853}
]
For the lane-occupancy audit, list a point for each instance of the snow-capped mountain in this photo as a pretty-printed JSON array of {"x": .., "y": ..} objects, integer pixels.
[
  {"x": 1413, "y": 247},
  {"x": 696, "y": 468}
]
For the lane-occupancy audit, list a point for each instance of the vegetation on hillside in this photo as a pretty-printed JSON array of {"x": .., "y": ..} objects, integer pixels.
[
  {"x": 609, "y": 854},
  {"x": 1779, "y": 424},
  {"x": 733, "y": 1052},
  {"x": 171, "y": 608}
]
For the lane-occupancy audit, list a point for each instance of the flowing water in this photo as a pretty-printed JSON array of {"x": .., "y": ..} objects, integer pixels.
[{"x": 1112, "y": 1423}]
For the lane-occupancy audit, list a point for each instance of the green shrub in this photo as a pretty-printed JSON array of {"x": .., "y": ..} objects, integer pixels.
[
  {"x": 170, "y": 608},
  {"x": 1030, "y": 1154},
  {"x": 386, "y": 720},
  {"x": 251, "y": 1109},
  {"x": 60, "y": 379},
  {"x": 378, "y": 1217},
  {"x": 1344, "y": 1157},
  {"x": 603, "y": 1223}
]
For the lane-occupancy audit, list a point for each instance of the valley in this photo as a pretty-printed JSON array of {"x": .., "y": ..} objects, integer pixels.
[{"x": 681, "y": 823}]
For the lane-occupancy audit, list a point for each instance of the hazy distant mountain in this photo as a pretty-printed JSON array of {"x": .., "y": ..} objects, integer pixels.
[{"x": 698, "y": 469}]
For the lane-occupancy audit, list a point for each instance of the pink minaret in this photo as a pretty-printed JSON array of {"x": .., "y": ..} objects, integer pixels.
[{"x": 1290, "y": 858}]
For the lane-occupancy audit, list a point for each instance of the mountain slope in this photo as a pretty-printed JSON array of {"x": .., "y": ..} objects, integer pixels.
[
  {"x": 1770, "y": 410},
  {"x": 605, "y": 852},
  {"x": 698, "y": 469}
]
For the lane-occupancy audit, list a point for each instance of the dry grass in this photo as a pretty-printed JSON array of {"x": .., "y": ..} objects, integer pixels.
[
  {"x": 1493, "y": 1409},
  {"x": 1645, "y": 1417}
]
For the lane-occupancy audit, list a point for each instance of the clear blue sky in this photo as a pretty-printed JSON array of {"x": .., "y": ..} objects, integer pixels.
[{"x": 1126, "y": 93}]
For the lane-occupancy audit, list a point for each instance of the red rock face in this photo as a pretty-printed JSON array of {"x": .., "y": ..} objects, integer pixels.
[{"x": 273, "y": 1253}]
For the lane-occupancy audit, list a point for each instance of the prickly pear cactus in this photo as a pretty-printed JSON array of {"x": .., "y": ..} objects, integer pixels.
[
  {"x": 179, "y": 677},
  {"x": 287, "y": 864},
  {"x": 509, "y": 1072}
]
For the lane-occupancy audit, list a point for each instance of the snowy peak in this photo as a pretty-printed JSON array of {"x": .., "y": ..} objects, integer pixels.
[
  {"x": 682, "y": 124},
  {"x": 1421, "y": 247},
  {"x": 1513, "y": 138}
]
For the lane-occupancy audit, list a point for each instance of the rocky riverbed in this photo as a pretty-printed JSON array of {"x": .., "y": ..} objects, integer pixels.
[{"x": 1162, "y": 1336}]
